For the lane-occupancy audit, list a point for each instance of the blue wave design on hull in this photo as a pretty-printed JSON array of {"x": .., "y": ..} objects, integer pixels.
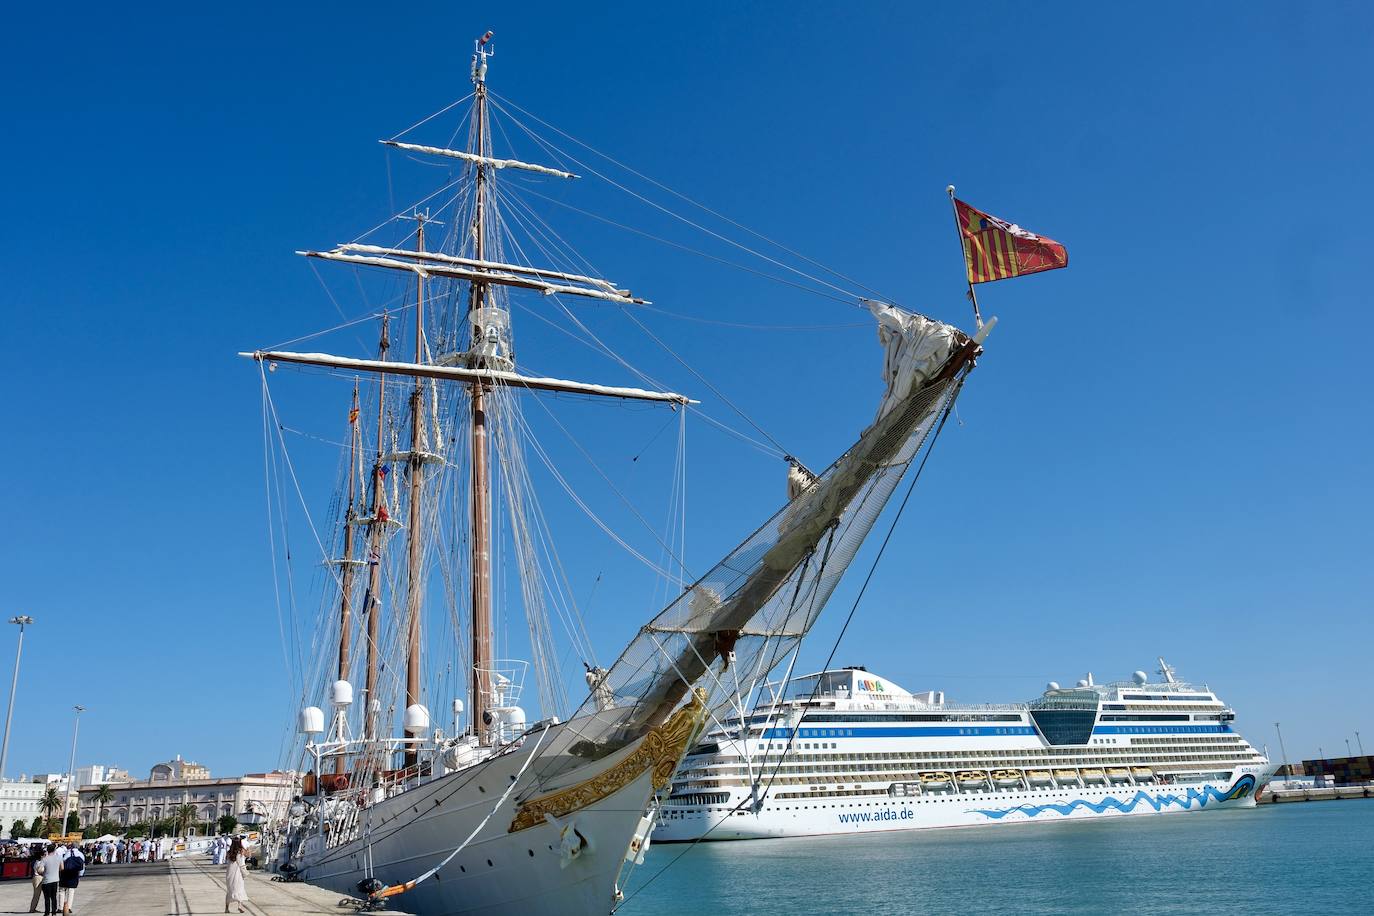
[{"x": 1240, "y": 789}]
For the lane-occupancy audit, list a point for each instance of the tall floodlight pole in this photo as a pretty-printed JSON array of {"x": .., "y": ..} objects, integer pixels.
[
  {"x": 23, "y": 621},
  {"x": 71, "y": 770},
  {"x": 1348, "y": 751},
  {"x": 1359, "y": 743},
  {"x": 1283, "y": 750}
]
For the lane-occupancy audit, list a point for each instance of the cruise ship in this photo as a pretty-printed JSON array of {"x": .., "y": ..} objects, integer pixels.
[{"x": 847, "y": 751}]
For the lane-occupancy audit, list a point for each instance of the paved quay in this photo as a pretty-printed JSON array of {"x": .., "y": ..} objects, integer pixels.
[{"x": 179, "y": 888}]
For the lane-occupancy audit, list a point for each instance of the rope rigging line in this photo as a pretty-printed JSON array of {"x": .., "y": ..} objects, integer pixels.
[
  {"x": 714, "y": 390},
  {"x": 657, "y": 206},
  {"x": 953, "y": 393},
  {"x": 845, "y": 300},
  {"x": 617, "y": 491},
  {"x": 935, "y": 437},
  {"x": 757, "y": 327},
  {"x": 402, "y": 888},
  {"x": 271, "y": 531},
  {"x": 371, "y": 314},
  {"x": 683, "y": 197},
  {"x": 581, "y": 504},
  {"x": 436, "y": 114}
]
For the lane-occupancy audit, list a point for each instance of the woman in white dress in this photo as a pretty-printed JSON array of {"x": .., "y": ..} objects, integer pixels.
[{"x": 234, "y": 890}]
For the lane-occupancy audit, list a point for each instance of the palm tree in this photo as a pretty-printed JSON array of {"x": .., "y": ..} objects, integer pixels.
[
  {"x": 185, "y": 816},
  {"x": 103, "y": 796},
  {"x": 51, "y": 803}
]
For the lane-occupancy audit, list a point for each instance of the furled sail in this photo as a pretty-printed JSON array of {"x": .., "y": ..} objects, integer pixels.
[{"x": 749, "y": 611}]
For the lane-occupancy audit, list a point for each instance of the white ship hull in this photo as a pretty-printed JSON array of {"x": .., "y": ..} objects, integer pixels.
[
  {"x": 962, "y": 809},
  {"x": 500, "y": 870},
  {"x": 851, "y": 752}
]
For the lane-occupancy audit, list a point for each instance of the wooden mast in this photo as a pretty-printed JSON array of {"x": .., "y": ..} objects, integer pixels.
[
  {"x": 414, "y": 542},
  {"x": 376, "y": 527},
  {"x": 346, "y": 579},
  {"x": 481, "y": 485}
]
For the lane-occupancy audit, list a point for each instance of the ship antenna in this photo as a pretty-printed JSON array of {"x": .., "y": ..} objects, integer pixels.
[{"x": 480, "y": 53}]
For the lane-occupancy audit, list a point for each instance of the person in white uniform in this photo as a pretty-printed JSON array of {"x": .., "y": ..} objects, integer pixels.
[{"x": 235, "y": 891}]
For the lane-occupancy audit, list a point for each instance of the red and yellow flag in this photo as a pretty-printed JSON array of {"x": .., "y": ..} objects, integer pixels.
[{"x": 996, "y": 250}]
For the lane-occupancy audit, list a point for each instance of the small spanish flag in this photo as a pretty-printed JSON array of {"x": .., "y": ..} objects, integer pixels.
[
  {"x": 997, "y": 250},
  {"x": 353, "y": 415}
]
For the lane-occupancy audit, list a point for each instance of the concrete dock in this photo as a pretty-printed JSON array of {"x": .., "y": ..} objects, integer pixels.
[
  {"x": 182, "y": 887},
  {"x": 1311, "y": 793}
]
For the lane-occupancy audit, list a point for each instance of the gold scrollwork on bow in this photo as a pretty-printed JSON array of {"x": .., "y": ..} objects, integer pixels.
[{"x": 659, "y": 752}]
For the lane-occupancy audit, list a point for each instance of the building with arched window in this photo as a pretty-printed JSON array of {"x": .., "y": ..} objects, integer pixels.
[{"x": 178, "y": 782}]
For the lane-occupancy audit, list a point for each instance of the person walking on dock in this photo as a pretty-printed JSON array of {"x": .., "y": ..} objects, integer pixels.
[
  {"x": 51, "y": 867},
  {"x": 68, "y": 878},
  {"x": 234, "y": 889},
  {"x": 36, "y": 856}
]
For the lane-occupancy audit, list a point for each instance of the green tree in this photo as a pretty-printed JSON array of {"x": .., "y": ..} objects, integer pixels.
[
  {"x": 19, "y": 828},
  {"x": 227, "y": 823},
  {"x": 39, "y": 827},
  {"x": 50, "y": 804},
  {"x": 73, "y": 822},
  {"x": 184, "y": 817},
  {"x": 103, "y": 796},
  {"x": 133, "y": 830}
]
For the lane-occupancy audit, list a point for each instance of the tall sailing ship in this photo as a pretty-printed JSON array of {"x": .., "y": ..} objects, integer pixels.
[
  {"x": 848, "y": 751},
  {"x": 484, "y": 811}
]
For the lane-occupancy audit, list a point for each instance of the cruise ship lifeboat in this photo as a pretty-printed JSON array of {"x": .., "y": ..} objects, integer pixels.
[
  {"x": 972, "y": 779},
  {"x": 1093, "y": 776},
  {"x": 1119, "y": 774},
  {"x": 1007, "y": 779},
  {"x": 1039, "y": 777},
  {"x": 1066, "y": 777},
  {"x": 937, "y": 780},
  {"x": 1142, "y": 774}
]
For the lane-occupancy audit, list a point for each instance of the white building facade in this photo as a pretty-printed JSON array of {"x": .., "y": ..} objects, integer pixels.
[
  {"x": 159, "y": 798},
  {"x": 21, "y": 801},
  {"x": 96, "y": 773}
]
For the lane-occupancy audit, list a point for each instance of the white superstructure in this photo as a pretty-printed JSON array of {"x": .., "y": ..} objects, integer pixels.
[{"x": 846, "y": 751}]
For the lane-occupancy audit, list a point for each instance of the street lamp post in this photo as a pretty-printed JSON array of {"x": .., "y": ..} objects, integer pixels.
[
  {"x": 71, "y": 770},
  {"x": 1284, "y": 751},
  {"x": 23, "y": 620}
]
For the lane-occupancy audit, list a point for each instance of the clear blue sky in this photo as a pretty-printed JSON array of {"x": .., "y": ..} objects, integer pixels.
[{"x": 1165, "y": 451}]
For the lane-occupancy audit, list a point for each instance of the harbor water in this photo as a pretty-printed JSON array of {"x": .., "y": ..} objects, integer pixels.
[{"x": 1294, "y": 858}]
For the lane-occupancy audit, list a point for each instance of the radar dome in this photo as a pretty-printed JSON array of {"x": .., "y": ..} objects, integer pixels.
[
  {"x": 1140, "y": 677},
  {"x": 341, "y": 694},
  {"x": 311, "y": 721},
  {"x": 1082, "y": 682},
  {"x": 1052, "y": 685},
  {"x": 417, "y": 718}
]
